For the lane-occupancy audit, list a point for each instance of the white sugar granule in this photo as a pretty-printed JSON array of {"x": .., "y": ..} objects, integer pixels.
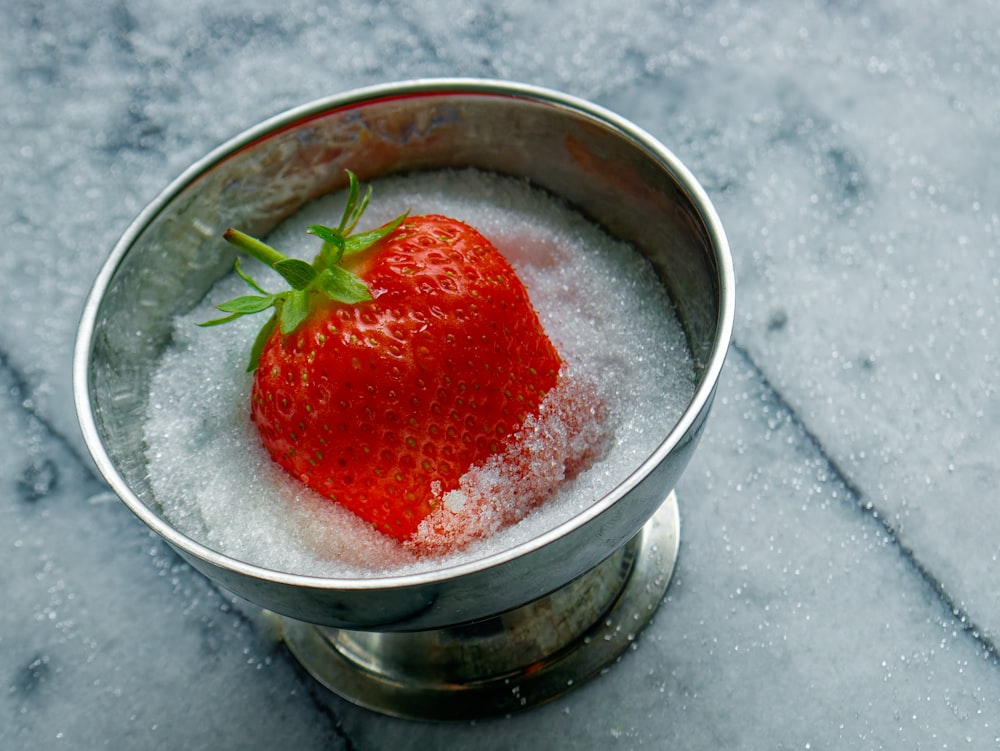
[{"x": 627, "y": 378}]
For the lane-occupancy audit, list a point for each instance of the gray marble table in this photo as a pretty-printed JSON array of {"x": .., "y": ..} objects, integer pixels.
[{"x": 837, "y": 585}]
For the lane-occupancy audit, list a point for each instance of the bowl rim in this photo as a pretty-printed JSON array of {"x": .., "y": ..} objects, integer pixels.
[{"x": 354, "y": 98}]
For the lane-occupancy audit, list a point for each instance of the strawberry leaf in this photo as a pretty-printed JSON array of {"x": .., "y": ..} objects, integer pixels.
[
  {"x": 247, "y": 305},
  {"x": 293, "y": 310},
  {"x": 297, "y": 273},
  {"x": 217, "y": 321},
  {"x": 332, "y": 250},
  {"x": 364, "y": 240},
  {"x": 247, "y": 278},
  {"x": 341, "y": 285},
  {"x": 353, "y": 210},
  {"x": 331, "y": 253},
  {"x": 326, "y": 234},
  {"x": 258, "y": 345}
]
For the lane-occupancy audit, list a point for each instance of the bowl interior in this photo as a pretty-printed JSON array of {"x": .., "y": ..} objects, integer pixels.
[{"x": 608, "y": 169}]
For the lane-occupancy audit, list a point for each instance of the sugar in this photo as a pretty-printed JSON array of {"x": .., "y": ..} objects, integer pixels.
[
  {"x": 568, "y": 435},
  {"x": 627, "y": 378}
]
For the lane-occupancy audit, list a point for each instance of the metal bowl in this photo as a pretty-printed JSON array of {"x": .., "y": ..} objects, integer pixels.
[{"x": 608, "y": 168}]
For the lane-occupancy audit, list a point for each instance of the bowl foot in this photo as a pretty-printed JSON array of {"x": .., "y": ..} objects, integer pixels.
[{"x": 506, "y": 663}]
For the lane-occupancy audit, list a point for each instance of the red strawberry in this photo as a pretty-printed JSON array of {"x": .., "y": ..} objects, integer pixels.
[{"x": 401, "y": 358}]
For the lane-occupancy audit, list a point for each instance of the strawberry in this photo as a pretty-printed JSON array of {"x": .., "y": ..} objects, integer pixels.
[{"x": 400, "y": 358}]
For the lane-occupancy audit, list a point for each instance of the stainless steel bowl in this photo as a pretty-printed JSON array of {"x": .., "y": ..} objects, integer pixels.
[{"x": 608, "y": 168}]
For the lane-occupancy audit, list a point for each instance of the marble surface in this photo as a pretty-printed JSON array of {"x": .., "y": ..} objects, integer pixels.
[{"x": 837, "y": 583}]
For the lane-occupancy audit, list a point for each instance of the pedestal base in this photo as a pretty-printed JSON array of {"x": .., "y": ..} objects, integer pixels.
[{"x": 511, "y": 661}]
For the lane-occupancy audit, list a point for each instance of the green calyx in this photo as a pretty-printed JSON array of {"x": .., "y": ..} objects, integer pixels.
[{"x": 322, "y": 280}]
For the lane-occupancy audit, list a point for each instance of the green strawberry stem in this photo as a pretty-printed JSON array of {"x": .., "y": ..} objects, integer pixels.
[
  {"x": 253, "y": 247},
  {"x": 323, "y": 279}
]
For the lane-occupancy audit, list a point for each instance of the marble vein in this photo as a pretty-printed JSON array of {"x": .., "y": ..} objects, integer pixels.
[{"x": 867, "y": 508}]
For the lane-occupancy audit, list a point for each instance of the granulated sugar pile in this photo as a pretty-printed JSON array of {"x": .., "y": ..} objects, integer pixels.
[
  {"x": 569, "y": 434},
  {"x": 627, "y": 378}
]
